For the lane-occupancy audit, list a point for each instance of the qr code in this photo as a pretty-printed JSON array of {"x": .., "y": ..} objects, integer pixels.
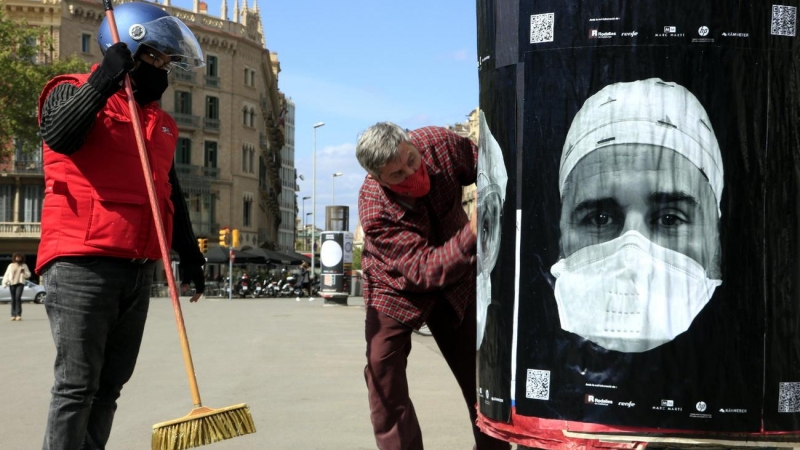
[
  {"x": 542, "y": 28},
  {"x": 788, "y": 397},
  {"x": 784, "y": 20},
  {"x": 537, "y": 384}
]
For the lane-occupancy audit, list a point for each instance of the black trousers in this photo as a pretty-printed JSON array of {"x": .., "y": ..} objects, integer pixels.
[
  {"x": 394, "y": 420},
  {"x": 16, "y": 299}
]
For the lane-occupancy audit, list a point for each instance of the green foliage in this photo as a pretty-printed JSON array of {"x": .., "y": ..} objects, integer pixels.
[
  {"x": 25, "y": 67},
  {"x": 357, "y": 258}
]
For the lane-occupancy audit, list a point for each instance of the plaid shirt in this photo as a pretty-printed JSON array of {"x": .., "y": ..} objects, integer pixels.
[{"x": 414, "y": 257}]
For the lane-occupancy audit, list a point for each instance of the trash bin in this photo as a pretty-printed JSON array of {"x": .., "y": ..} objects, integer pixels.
[{"x": 355, "y": 286}]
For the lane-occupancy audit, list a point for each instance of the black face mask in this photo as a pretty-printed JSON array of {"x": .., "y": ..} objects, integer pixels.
[{"x": 150, "y": 83}]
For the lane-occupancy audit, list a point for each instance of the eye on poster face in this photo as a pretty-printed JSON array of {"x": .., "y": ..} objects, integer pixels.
[{"x": 649, "y": 233}]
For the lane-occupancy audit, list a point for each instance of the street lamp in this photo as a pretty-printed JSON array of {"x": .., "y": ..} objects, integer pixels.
[
  {"x": 305, "y": 239},
  {"x": 305, "y": 230},
  {"x": 333, "y": 177},
  {"x": 314, "y": 204}
]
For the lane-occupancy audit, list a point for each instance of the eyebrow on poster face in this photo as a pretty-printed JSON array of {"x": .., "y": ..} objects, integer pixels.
[{"x": 659, "y": 198}]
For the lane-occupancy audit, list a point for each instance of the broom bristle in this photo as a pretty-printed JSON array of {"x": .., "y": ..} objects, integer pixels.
[{"x": 203, "y": 426}]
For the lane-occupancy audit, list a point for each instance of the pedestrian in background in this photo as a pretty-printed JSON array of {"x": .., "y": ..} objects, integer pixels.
[
  {"x": 99, "y": 245},
  {"x": 419, "y": 265},
  {"x": 14, "y": 279},
  {"x": 302, "y": 281}
]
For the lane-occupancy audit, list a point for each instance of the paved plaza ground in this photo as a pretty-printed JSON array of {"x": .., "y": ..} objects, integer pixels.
[{"x": 298, "y": 365}]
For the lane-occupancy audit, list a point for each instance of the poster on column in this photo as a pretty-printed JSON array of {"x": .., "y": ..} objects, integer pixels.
[{"x": 638, "y": 251}]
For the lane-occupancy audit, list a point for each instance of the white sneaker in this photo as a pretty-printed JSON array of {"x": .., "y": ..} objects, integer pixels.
[
  {"x": 311, "y": 299},
  {"x": 298, "y": 299},
  {"x": 424, "y": 330}
]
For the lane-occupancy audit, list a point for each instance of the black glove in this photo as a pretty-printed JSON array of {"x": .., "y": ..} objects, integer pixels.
[
  {"x": 108, "y": 77},
  {"x": 193, "y": 273}
]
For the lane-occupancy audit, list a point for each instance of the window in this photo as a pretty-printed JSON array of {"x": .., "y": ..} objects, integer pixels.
[
  {"x": 183, "y": 152},
  {"x": 252, "y": 117},
  {"x": 212, "y": 107},
  {"x": 247, "y": 209},
  {"x": 183, "y": 102},
  {"x": 244, "y": 116},
  {"x": 6, "y": 203},
  {"x": 86, "y": 43},
  {"x": 32, "y": 203},
  {"x": 249, "y": 77},
  {"x": 248, "y": 154},
  {"x": 211, "y": 66},
  {"x": 210, "y": 154}
]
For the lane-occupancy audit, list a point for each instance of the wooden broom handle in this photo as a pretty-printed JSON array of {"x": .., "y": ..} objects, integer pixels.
[{"x": 159, "y": 224}]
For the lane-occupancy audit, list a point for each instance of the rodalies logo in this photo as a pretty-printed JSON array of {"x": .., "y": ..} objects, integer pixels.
[
  {"x": 597, "y": 34},
  {"x": 592, "y": 400}
]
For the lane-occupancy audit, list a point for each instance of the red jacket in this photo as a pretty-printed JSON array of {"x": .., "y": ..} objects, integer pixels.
[{"x": 96, "y": 200}]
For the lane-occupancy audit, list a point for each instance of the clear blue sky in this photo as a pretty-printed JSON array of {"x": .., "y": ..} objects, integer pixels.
[{"x": 353, "y": 63}]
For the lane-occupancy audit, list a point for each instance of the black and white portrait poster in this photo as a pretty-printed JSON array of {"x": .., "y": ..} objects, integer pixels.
[{"x": 639, "y": 188}]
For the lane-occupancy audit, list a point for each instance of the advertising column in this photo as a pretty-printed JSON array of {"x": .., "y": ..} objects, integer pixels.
[
  {"x": 336, "y": 257},
  {"x": 638, "y": 265}
]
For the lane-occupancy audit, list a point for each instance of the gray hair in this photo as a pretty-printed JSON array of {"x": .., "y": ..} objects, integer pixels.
[{"x": 377, "y": 146}]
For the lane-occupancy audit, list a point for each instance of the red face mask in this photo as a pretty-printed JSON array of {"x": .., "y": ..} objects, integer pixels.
[{"x": 417, "y": 185}]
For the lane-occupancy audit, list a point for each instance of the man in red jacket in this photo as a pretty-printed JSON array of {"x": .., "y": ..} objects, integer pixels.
[
  {"x": 99, "y": 246},
  {"x": 419, "y": 265}
]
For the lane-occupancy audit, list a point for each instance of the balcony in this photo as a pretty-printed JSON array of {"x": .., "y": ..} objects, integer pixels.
[
  {"x": 210, "y": 124},
  {"x": 205, "y": 229},
  {"x": 31, "y": 230},
  {"x": 187, "y": 121},
  {"x": 184, "y": 77},
  {"x": 196, "y": 179},
  {"x": 212, "y": 81},
  {"x": 22, "y": 167}
]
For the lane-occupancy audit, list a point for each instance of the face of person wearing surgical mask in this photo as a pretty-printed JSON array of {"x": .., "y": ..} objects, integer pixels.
[
  {"x": 644, "y": 188},
  {"x": 407, "y": 174},
  {"x": 639, "y": 247}
]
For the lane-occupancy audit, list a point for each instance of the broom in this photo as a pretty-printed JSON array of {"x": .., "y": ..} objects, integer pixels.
[{"x": 202, "y": 425}]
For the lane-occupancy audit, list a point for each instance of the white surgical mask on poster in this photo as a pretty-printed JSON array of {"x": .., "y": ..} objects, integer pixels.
[
  {"x": 630, "y": 294},
  {"x": 492, "y": 180}
]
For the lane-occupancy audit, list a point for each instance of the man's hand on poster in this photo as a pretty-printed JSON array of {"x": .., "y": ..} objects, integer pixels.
[{"x": 194, "y": 274}]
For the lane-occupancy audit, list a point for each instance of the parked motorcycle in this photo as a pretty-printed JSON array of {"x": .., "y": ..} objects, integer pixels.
[
  {"x": 258, "y": 288},
  {"x": 243, "y": 286},
  {"x": 287, "y": 288}
]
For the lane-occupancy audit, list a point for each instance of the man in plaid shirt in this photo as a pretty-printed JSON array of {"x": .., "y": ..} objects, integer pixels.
[{"x": 419, "y": 264}]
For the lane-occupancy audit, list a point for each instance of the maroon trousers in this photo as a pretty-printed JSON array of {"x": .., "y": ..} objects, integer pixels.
[{"x": 388, "y": 346}]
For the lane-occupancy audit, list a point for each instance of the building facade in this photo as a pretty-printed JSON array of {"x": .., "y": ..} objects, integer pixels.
[
  {"x": 287, "y": 231},
  {"x": 233, "y": 150}
]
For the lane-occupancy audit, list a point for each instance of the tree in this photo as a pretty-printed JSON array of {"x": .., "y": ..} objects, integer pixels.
[
  {"x": 357, "y": 258},
  {"x": 24, "y": 70}
]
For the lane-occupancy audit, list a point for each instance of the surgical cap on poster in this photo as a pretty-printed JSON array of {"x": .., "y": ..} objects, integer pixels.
[{"x": 648, "y": 111}]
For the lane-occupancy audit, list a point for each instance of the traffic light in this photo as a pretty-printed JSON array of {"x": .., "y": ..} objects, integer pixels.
[
  {"x": 235, "y": 238},
  {"x": 223, "y": 236},
  {"x": 202, "y": 243}
]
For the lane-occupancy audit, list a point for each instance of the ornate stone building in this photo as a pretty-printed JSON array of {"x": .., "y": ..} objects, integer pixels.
[{"x": 231, "y": 153}]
